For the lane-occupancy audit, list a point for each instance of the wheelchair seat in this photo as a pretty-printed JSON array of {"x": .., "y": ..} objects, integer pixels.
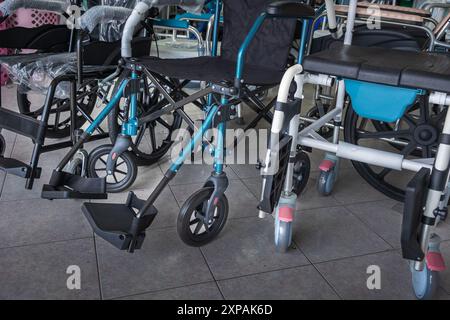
[
  {"x": 266, "y": 57},
  {"x": 418, "y": 70},
  {"x": 211, "y": 69}
]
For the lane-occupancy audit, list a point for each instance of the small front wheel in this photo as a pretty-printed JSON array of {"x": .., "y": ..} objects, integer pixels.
[
  {"x": 192, "y": 227},
  {"x": 425, "y": 283},
  {"x": 124, "y": 173},
  {"x": 283, "y": 235},
  {"x": 326, "y": 181}
]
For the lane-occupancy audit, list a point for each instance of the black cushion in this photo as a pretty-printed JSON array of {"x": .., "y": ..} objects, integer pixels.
[
  {"x": 210, "y": 69},
  {"x": 423, "y": 70},
  {"x": 290, "y": 9}
]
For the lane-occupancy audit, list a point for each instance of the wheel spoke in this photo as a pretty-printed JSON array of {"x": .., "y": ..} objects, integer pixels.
[
  {"x": 120, "y": 171},
  {"x": 153, "y": 137},
  {"x": 198, "y": 227}
]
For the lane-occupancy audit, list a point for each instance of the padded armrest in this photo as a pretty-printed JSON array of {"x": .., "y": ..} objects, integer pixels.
[{"x": 290, "y": 9}]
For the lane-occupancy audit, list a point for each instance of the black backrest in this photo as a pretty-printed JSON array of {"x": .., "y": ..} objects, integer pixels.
[{"x": 270, "y": 48}]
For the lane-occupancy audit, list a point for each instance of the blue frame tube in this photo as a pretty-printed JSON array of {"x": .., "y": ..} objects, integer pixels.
[
  {"x": 303, "y": 40},
  {"x": 197, "y": 137},
  {"x": 104, "y": 113},
  {"x": 216, "y": 28},
  {"x": 243, "y": 49}
]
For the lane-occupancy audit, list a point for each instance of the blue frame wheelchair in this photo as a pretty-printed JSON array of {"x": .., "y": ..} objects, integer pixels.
[{"x": 241, "y": 71}]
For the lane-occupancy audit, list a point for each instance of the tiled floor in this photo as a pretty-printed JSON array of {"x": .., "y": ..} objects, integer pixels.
[{"x": 336, "y": 238}]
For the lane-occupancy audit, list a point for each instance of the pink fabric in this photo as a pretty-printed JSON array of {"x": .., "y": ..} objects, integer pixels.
[{"x": 435, "y": 261}]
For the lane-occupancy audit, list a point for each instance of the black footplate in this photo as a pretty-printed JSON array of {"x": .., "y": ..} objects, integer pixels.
[
  {"x": 416, "y": 192},
  {"x": 18, "y": 168},
  {"x": 274, "y": 183},
  {"x": 118, "y": 223},
  {"x": 64, "y": 185}
]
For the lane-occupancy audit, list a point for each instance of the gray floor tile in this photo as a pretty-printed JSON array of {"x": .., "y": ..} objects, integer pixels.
[
  {"x": 245, "y": 171},
  {"x": 241, "y": 201},
  {"x": 445, "y": 275},
  {"x": 382, "y": 218},
  {"x": 332, "y": 233},
  {"x": 39, "y": 271},
  {"x": 245, "y": 247},
  {"x": 349, "y": 276},
  {"x": 289, "y": 284},
  {"x": 163, "y": 262},
  {"x": 36, "y": 221},
  {"x": 351, "y": 188},
  {"x": 203, "y": 291}
]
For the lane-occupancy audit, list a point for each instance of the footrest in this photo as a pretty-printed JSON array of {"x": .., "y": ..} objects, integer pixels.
[
  {"x": 416, "y": 192},
  {"x": 118, "y": 223},
  {"x": 18, "y": 168},
  {"x": 65, "y": 185},
  {"x": 273, "y": 184}
]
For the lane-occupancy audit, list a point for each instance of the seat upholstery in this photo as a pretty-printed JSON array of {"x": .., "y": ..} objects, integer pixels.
[
  {"x": 267, "y": 54},
  {"x": 421, "y": 70},
  {"x": 210, "y": 69}
]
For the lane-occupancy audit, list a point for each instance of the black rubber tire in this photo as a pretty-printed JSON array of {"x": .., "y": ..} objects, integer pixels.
[
  {"x": 2, "y": 145},
  {"x": 53, "y": 132},
  {"x": 302, "y": 169},
  {"x": 196, "y": 203},
  {"x": 143, "y": 157},
  {"x": 100, "y": 154}
]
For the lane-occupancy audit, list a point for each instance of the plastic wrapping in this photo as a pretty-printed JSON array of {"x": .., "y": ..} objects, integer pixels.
[
  {"x": 100, "y": 15},
  {"x": 8, "y": 7},
  {"x": 35, "y": 72},
  {"x": 111, "y": 30}
]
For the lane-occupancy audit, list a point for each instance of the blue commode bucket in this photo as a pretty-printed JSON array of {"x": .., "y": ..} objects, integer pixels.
[{"x": 378, "y": 101}]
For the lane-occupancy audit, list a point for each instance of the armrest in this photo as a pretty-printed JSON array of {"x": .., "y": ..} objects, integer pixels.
[
  {"x": 10, "y": 6},
  {"x": 290, "y": 9}
]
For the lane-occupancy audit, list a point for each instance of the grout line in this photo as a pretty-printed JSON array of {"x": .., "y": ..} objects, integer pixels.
[
  {"x": 98, "y": 268},
  {"x": 158, "y": 290},
  {"x": 43, "y": 243},
  {"x": 212, "y": 275}
]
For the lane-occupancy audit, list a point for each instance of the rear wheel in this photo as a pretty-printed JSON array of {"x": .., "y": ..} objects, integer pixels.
[
  {"x": 59, "y": 121},
  {"x": 2, "y": 146},
  {"x": 415, "y": 135},
  {"x": 154, "y": 138}
]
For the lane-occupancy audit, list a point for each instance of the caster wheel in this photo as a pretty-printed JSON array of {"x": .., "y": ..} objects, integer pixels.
[
  {"x": 283, "y": 235},
  {"x": 124, "y": 173},
  {"x": 302, "y": 168},
  {"x": 2, "y": 146},
  {"x": 326, "y": 182},
  {"x": 425, "y": 283},
  {"x": 191, "y": 227}
]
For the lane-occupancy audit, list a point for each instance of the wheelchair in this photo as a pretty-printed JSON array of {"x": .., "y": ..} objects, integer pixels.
[
  {"x": 409, "y": 31},
  {"x": 253, "y": 58},
  {"x": 382, "y": 84},
  {"x": 73, "y": 86}
]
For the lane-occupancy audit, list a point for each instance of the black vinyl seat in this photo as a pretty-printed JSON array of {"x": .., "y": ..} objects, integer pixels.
[
  {"x": 266, "y": 57},
  {"x": 211, "y": 69},
  {"x": 421, "y": 70}
]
